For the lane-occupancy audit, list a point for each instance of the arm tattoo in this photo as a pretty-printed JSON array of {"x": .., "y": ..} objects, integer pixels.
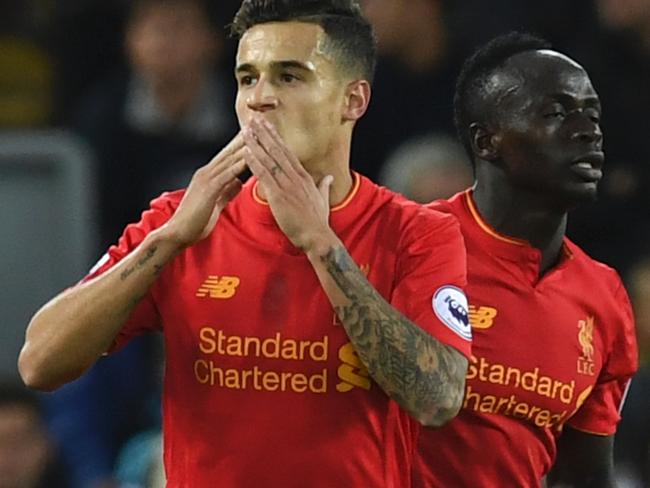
[
  {"x": 141, "y": 263},
  {"x": 423, "y": 375}
]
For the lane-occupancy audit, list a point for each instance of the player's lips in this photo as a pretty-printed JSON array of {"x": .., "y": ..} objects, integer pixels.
[{"x": 589, "y": 166}]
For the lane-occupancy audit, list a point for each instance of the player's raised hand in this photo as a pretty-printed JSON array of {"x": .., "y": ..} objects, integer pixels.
[
  {"x": 300, "y": 208},
  {"x": 211, "y": 188}
]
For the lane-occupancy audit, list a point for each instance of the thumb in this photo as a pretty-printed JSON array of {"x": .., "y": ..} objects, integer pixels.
[{"x": 324, "y": 188}]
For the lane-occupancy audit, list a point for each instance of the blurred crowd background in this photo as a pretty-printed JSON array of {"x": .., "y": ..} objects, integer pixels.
[{"x": 104, "y": 105}]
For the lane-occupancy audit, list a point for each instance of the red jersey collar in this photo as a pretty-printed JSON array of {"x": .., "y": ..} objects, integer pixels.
[
  {"x": 259, "y": 207},
  {"x": 356, "y": 183},
  {"x": 501, "y": 244}
]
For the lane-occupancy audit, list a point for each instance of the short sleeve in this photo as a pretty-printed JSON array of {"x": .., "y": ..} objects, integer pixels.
[
  {"x": 144, "y": 317},
  {"x": 431, "y": 276},
  {"x": 600, "y": 413}
]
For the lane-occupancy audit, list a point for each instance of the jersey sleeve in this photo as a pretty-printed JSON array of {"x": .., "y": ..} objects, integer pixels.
[
  {"x": 144, "y": 317},
  {"x": 431, "y": 276},
  {"x": 600, "y": 413}
]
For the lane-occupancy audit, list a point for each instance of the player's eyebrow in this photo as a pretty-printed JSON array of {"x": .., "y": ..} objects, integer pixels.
[
  {"x": 568, "y": 98},
  {"x": 284, "y": 64}
]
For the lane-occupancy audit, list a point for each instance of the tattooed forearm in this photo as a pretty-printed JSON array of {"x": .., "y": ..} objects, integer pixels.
[
  {"x": 423, "y": 375},
  {"x": 141, "y": 263}
]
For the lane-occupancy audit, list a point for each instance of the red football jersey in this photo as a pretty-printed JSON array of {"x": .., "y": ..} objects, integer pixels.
[
  {"x": 262, "y": 386},
  {"x": 546, "y": 352}
]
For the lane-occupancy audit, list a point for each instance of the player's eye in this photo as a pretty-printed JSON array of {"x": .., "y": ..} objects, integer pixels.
[
  {"x": 246, "y": 80},
  {"x": 594, "y": 115},
  {"x": 555, "y": 111},
  {"x": 288, "y": 78},
  {"x": 555, "y": 114}
]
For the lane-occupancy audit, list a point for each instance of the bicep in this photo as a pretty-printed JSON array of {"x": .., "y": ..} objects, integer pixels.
[{"x": 583, "y": 461}]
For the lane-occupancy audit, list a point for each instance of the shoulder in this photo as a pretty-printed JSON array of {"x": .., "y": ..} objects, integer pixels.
[
  {"x": 159, "y": 212},
  {"x": 395, "y": 203},
  {"x": 418, "y": 219},
  {"x": 168, "y": 202},
  {"x": 594, "y": 271},
  {"x": 443, "y": 206},
  {"x": 607, "y": 294}
]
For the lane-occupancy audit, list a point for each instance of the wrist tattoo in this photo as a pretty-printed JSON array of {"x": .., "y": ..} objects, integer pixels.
[{"x": 140, "y": 263}]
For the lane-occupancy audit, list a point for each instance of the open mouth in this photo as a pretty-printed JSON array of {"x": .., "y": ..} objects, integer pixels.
[{"x": 589, "y": 167}]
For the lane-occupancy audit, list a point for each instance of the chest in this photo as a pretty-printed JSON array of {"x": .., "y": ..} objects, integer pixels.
[
  {"x": 241, "y": 300},
  {"x": 537, "y": 351}
]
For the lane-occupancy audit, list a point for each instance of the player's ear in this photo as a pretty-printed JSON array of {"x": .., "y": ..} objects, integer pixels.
[
  {"x": 357, "y": 98},
  {"x": 485, "y": 143}
]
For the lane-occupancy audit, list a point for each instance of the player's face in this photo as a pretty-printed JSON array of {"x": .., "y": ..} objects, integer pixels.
[
  {"x": 551, "y": 142},
  {"x": 283, "y": 74}
]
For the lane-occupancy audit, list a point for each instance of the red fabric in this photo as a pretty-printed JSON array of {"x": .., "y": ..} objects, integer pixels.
[
  {"x": 539, "y": 348},
  {"x": 261, "y": 385}
]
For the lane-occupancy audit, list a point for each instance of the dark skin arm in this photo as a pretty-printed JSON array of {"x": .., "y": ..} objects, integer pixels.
[{"x": 583, "y": 461}]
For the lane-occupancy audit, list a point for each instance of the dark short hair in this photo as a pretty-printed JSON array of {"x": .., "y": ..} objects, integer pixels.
[
  {"x": 475, "y": 73},
  {"x": 349, "y": 35}
]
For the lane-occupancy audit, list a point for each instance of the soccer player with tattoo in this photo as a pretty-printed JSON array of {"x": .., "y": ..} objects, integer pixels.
[
  {"x": 312, "y": 319},
  {"x": 554, "y": 345}
]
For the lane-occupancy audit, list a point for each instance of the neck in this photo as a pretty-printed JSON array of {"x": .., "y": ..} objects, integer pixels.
[
  {"x": 341, "y": 186},
  {"x": 523, "y": 215},
  {"x": 339, "y": 190}
]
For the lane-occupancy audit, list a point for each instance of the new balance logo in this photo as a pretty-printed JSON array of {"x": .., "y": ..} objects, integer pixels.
[
  {"x": 352, "y": 373},
  {"x": 218, "y": 287},
  {"x": 481, "y": 317}
]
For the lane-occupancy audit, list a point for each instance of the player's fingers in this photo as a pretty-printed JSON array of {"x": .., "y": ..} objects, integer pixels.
[
  {"x": 223, "y": 178},
  {"x": 227, "y": 153},
  {"x": 215, "y": 186},
  {"x": 218, "y": 164},
  {"x": 230, "y": 191},
  {"x": 300, "y": 178},
  {"x": 324, "y": 186},
  {"x": 227, "y": 194},
  {"x": 267, "y": 182},
  {"x": 270, "y": 132},
  {"x": 274, "y": 150},
  {"x": 265, "y": 167},
  {"x": 223, "y": 164},
  {"x": 266, "y": 141},
  {"x": 233, "y": 166}
]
